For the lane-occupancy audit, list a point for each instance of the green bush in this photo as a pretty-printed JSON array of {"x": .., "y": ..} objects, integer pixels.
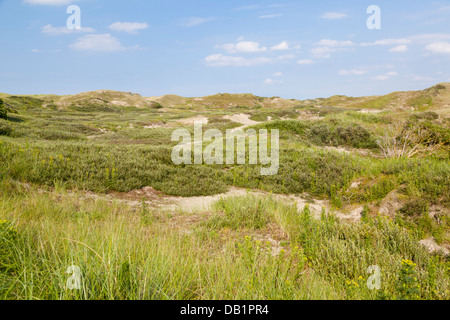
[
  {"x": 27, "y": 103},
  {"x": 3, "y": 114},
  {"x": 415, "y": 208},
  {"x": 292, "y": 126},
  {"x": 353, "y": 135},
  {"x": 331, "y": 132},
  {"x": 428, "y": 115}
]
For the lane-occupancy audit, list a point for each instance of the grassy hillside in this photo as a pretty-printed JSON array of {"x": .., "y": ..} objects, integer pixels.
[
  {"x": 436, "y": 97},
  {"x": 88, "y": 180}
]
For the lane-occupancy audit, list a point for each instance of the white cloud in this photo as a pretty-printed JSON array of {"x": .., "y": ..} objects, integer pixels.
[
  {"x": 333, "y": 15},
  {"x": 305, "y": 62},
  {"x": 220, "y": 60},
  {"x": 430, "y": 37},
  {"x": 422, "y": 78},
  {"x": 335, "y": 43},
  {"x": 270, "y": 81},
  {"x": 195, "y": 21},
  {"x": 439, "y": 47},
  {"x": 97, "y": 42},
  {"x": 285, "y": 57},
  {"x": 427, "y": 38},
  {"x": 249, "y": 7},
  {"x": 387, "y": 42},
  {"x": 130, "y": 27},
  {"x": 322, "y": 52},
  {"x": 50, "y": 2},
  {"x": 243, "y": 46},
  {"x": 56, "y": 31},
  {"x": 352, "y": 72},
  {"x": 280, "y": 47},
  {"x": 381, "y": 77},
  {"x": 42, "y": 51},
  {"x": 392, "y": 74},
  {"x": 278, "y": 74},
  {"x": 399, "y": 49},
  {"x": 387, "y": 76},
  {"x": 270, "y": 16},
  {"x": 328, "y": 46}
]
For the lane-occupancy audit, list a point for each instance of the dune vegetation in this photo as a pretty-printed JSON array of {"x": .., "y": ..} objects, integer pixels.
[{"x": 362, "y": 183}]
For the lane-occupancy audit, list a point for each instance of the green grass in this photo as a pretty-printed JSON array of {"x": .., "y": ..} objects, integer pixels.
[
  {"x": 121, "y": 257},
  {"x": 249, "y": 212},
  {"x": 244, "y": 248}
]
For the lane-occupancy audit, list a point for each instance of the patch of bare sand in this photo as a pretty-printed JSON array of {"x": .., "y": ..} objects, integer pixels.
[
  {"x": 158, "y": 200},
  {"x": 191, "y": 121},
  {"x": 370, "y": 111},
  {"x": 308, "y": 115},
  {"x": 156, "y": 124},
  {"x": 391, "y": 204},
  {"x": 433, "y": 247},
  {"x": 195, "y": 204},
  {"x": 243, "y": 119},
  {"x": 361, "y": 152}
]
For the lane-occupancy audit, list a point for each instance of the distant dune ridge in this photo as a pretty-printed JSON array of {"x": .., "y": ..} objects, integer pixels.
[{"x": 436, "y": 98}]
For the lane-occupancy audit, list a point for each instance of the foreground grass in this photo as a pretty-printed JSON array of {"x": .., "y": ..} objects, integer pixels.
[
  {"x": 125, "y": 253},
  {"x": 245, "y": 248}
]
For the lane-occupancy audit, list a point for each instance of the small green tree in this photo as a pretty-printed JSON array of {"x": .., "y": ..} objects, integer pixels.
[{"x": 3, "y": 114}]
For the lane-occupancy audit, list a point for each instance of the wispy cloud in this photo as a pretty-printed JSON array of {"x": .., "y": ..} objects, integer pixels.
[
  {"x": 430, "y": 37},
  {"x": 252, "y": 47},
  {"x": 220, "y": 60},
  {"x": 242, "y": 46},
  {"x": 335, "y": 43},
  {"x": 42, "y": 51},
  {"x": 439, "y": 47},
  {"x": 387, "y": 42},
  {"x": 195, "y": 21},
  {"x": 248, "y": 7},
  {"x": 270, "y": 81},
  {"x": 326, "y": 47},
  {"x": 352, "y": 72},
  {"x": 422, "y": 78},
  {"x": 399, "y": 49},
  {"x": 280, "y": 47},
  {"x": 322, "y": 52},
  {"x": 305, "y": 62},
  {"x": 50, "y": 2},
  {"x": 387, "y": 76},
  {"x": 99, "y": 43},
  {"x": 271, "y": 16},
  {"x": 129, "y": 27},
  {"x": 334, "y": 15},
  {"x": 56, "y": 31}
]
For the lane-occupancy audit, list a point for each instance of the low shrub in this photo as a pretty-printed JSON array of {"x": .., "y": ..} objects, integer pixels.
[{"x": 3, "y": 113}]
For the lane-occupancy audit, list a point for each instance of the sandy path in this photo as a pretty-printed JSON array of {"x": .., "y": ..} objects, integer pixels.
[{"x": 204, "y": 203}]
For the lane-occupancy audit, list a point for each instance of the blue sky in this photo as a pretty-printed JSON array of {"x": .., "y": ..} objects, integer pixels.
[{"x": 291, "y": 49}]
